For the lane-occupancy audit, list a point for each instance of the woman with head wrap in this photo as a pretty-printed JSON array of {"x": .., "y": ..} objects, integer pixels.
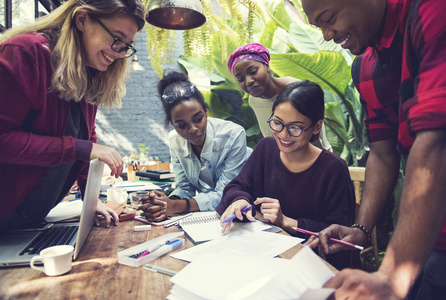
[{"x": 249, "y": 64}]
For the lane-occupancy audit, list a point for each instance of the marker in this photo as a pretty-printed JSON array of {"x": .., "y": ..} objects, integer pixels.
[
  {"x": 159, "y": 270},
  {"x": 234, "y": 216},
  {"x": 142, "y": 227},
  {"x": 331, "y": 239},
  {"x": 153, "y": 249}
]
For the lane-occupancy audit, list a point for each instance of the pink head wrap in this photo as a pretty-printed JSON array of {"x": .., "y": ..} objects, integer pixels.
[{"x": 253, "y": 51}]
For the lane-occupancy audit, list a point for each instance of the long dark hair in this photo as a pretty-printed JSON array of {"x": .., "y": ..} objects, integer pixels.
[
  {"x": 174, "y": 82},
  {"x": 306, "y": 97}
]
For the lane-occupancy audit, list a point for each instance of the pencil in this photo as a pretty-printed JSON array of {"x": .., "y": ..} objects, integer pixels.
[{"x": 331, "y": 239}]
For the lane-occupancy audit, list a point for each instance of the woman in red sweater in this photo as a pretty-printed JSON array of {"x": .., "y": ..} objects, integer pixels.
[{"x": 54, "y": 74}]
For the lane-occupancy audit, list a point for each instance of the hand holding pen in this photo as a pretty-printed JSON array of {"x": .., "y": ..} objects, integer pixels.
[
  {"x": 236, "y": 210},
  {"x": 331, "y": 239}
]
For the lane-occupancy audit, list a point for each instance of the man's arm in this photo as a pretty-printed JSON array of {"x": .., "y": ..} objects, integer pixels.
[
  {"x": 381, "y": 175},
  {"x": 422, "y": 210},
  {"x": 422, "y": 214}
]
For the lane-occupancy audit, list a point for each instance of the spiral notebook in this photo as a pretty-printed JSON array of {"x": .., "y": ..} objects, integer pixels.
[{"x": 205, "y": 226}]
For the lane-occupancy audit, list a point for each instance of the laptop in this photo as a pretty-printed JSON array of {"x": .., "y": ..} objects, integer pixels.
[{"x": 18, "y": 247}]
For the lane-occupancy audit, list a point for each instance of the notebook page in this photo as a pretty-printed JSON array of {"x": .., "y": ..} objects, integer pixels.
[{"x": 205, "y": 226}]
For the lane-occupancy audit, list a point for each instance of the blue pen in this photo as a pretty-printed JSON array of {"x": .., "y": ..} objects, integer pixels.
[{"x": 234, "y": 216}]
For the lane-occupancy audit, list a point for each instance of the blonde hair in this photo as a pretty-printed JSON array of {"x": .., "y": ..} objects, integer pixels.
[{"x": 71, "y": 79}]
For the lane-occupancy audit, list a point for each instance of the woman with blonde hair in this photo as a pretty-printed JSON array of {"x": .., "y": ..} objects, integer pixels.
[{"x": 54, "y": 74}]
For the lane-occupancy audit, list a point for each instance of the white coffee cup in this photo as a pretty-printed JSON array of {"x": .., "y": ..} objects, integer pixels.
[
  {"x": 56, "y": 260},
  {"x": 117, "y": 195}
]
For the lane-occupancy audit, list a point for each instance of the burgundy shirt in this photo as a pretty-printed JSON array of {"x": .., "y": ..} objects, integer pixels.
[
  {"x": 402, "y": 79},
  {"x": 32, "y": 120}
]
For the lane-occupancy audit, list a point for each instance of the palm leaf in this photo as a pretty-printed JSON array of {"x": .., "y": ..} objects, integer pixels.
[
  {"x": 276, "y": 11},
  {"x": 196, "y": 69},
  {"x": 223, "y": 44},
  {"x": 326, "y": 68}
]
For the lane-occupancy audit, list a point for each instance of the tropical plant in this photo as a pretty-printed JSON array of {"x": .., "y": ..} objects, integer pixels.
[{"x": 297, "y": 50}]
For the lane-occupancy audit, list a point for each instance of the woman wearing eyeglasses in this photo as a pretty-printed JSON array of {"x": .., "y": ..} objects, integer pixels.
[
  {"x": 249, "y": 64},
  {"x": 289, "y": 181},
  {"x": 206, "y": 153},
  {"x": 54, "y": 74}
]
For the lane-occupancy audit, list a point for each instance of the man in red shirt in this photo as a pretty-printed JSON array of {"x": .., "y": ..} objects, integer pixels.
[{"x": 400, "y": 74}]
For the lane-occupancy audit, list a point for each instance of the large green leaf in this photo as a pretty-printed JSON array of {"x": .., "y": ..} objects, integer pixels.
[
  {"x": 326, "y": 68},
  {"x": 220, "y": 108},
  {"x": 266, "y": 38},
  {"x": 307, "y": 39},
  {"x": 226, "y": 86},
  {"x": 276, "y": 11},
  {"x": 336, "y": 130},
  {"x": 228, "y": 42},
  {"x": 196, "y": 68}
]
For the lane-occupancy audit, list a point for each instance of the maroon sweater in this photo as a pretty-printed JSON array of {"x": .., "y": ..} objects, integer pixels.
[
  {"x": 32, "y": 121},
  {"x": 317, "y": 197}
]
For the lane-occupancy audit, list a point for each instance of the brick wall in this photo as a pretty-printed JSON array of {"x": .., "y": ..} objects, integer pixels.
[{"x": 141, "y": 118}]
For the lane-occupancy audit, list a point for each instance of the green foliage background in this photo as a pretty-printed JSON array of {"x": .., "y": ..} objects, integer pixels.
[{"x": 297, "y": 49}]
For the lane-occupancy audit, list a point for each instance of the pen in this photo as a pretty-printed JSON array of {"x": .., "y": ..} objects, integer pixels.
[
  {"x": 129, "y": 186},
  {"x": 172, "y": 222},
  {"x": 159, "y": 270},
  {"x": 233, "y": 215},
  {"x": 331, "y": 239}
]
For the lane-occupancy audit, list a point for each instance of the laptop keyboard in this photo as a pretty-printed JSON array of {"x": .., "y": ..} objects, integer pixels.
[{"x": 51, "y": 237}]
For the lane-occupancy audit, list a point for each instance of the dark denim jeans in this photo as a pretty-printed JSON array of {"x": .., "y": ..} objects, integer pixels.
[{"x": 433, "y": 284}]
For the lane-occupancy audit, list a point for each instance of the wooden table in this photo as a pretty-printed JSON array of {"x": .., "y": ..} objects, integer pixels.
[{"x": 96, "y": 273}]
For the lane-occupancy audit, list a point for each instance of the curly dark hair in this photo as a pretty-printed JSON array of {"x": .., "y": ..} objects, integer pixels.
[{"x": 175, "y": 81}]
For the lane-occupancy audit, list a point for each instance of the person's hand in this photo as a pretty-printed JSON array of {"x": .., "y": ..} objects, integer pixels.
[
  {"x": 346, "y": 234},
  {"x": 357, "y": 284},
  {"x": 155, "y": 206},
  {"x": 107, "y": 213},
  {"x": 109, "y": 156},
  {"x": 236, "y": 207},
  {"x": 271, "y": 211}
]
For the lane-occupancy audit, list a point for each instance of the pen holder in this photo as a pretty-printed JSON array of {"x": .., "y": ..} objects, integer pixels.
[{"x": 132, "y": 256}]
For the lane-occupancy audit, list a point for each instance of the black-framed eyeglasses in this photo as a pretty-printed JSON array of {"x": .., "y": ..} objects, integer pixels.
[
  {"x": 170, "y": 97},
  {"x": 293, "y": 129},
  {"x": 119, "y": 45}
]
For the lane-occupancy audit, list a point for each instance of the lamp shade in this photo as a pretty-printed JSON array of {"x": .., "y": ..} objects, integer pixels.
[{"x": 175, "y": 14}]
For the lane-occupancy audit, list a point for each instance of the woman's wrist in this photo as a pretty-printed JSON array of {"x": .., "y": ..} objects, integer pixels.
[{"x": 288, "y": 223}]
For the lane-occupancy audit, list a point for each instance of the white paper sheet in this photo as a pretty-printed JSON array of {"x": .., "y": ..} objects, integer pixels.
[
  {"x": 226, "y": 276},
  {"x": 247, "y": 242}
]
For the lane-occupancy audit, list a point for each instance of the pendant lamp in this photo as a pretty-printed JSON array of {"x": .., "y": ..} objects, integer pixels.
[{"x": 175, "y": 14}]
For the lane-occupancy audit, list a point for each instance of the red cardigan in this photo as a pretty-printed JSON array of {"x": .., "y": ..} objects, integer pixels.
[{"x": 32, "y": 121}]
